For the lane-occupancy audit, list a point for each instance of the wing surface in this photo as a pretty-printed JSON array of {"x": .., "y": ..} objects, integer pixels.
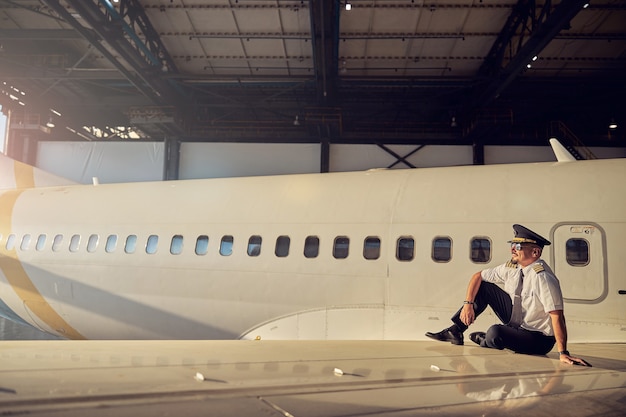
[
  {"x": 303, "y": 378},
  {"x": 15, "y": 175}
]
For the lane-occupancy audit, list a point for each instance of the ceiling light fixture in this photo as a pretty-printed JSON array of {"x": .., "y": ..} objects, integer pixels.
[
  {"x": 50, "y": 123},
  {"x": 348, "y": 6},
  {"x": 612, "y": 124}
]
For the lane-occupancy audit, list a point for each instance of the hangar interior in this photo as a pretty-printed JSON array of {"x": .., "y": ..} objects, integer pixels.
[{"x": 422, "y": 83}]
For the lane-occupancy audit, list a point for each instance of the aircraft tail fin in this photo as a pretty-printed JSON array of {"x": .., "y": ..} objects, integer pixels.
[
  {"x": 15, "y": 175},
  {"x": 561, "y": 153}
]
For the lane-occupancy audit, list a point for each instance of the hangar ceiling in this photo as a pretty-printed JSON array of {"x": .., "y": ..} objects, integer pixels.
[{"x": 386, "y": 71}]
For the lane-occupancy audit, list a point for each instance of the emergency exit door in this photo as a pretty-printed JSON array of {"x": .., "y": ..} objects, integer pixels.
[{"x": 580, "y": 261}]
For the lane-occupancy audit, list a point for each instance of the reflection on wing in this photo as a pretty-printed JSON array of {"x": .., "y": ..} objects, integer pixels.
[{"x": 303, "y": 378}]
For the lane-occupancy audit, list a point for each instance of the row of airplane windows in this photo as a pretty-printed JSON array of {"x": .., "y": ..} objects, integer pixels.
[
  {"x": 577, "y": 250},
  {"x": 371, "y": 247}
]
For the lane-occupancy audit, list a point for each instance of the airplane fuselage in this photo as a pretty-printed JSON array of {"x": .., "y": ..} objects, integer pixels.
[{"x": 365, "y": 255}]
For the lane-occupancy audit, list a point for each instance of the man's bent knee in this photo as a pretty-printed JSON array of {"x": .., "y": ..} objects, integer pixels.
[{"x": 493, "y": 337}]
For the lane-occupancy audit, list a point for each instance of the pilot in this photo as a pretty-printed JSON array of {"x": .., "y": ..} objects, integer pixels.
[{"x": 530, "y": 305}]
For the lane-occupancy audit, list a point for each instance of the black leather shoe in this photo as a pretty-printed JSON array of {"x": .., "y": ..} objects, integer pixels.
[
  {"x": 451, "y": 334},
  {"x": 478, "y": 338}
]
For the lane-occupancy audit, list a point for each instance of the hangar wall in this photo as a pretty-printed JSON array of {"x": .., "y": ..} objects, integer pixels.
[
  {"x": 204, "y": 160},
  {"x": 109, "y": 162},
  {"x": 114, "y": 162}
]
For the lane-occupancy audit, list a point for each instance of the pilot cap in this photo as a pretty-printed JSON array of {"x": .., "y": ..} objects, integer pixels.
[{"x": 524, "y": 235}]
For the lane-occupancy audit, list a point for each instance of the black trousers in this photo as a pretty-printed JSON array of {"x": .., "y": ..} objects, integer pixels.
[{"x": 503, "y": 336}]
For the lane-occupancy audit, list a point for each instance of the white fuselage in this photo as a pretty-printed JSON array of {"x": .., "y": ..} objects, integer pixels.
[{"x": 60, "y": 271}]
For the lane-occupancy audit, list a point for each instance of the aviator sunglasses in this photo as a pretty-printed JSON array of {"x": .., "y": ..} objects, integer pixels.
[{"x": 516, "y": 246}]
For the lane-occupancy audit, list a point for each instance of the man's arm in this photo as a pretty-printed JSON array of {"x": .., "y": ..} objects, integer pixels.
[
  {"x": 560, "y": 334},
  {"x": 467, "y": 313}
]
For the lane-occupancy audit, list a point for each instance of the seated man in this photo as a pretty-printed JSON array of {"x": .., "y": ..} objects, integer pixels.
[{"x": 530, "y": 306}]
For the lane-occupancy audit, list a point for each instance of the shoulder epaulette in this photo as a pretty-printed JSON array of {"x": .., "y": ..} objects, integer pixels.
[
  {"x": 510, "y": 264},
  {"x": 538, "y": 268}
]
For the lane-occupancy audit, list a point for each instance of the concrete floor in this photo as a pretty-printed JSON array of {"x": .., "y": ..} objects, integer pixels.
[{"x": 303, "y": 378}]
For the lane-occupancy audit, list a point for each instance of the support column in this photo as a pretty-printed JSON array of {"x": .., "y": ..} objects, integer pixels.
[
  {"x": 479, "y": 153},
  {"x": 325, "y": 155},
  {"x": 171, "y": 158}
]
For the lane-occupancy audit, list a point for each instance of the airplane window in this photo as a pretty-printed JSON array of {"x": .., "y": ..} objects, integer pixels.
[
  {"x": 131, "y": 244},
  {"x": 152, "y": 244},
  {"x": 202, "y": 245},
  {"x": 111, "y": 243},
  {"x": 282, "y": 246},
  {"x": 341, "y": 247},
  {"x": 92, "y": 243},
  {"x": 577, "y": 252},
  {"x": 254, "y": 245},
  {"x": 480, "y": 250},
  {"x": 226, "y": 246},
  {"x": 74, "y": 243},
  {"x": 56, "y": 243},
  {"x": 25, "y": 242},
  {"x": 176, "y": 247},
  {"x": 41, "y": 241},
  {"x": 10, "y": 242},
  {"x": 442, "y": 249},
  {"x": 371, "y": 248},
  {"x": 311, "y": 246},
  {"x": 405, "y": 249}
]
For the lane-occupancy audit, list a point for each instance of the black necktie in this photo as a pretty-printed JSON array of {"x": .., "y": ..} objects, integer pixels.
[{"x": 516, "y": 314}]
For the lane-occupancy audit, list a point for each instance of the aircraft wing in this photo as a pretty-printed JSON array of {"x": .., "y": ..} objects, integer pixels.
[
  {"x": 303, "y": 378},
  {"x": 16, "y": 174}
]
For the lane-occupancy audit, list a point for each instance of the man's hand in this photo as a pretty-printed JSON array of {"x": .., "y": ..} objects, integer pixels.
[
  {"x": 572, "y": 360},
  {"x": 467, "y": 314}
]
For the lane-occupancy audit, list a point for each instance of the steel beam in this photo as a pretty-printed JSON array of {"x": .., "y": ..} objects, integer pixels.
[
  {"x": 325, "y": 40},
  {"x": 540, "y": 25}
]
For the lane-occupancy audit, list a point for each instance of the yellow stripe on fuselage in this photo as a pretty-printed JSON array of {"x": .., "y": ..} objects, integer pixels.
[
  {"x": 12, "y": 267},
  {"x": 24, "y": 175}
]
